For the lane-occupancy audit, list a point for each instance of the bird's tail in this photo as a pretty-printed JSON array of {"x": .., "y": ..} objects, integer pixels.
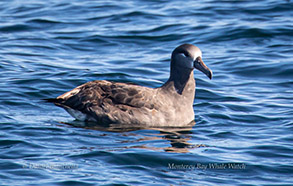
[
  {"x": 57, "y": 101},
  {"x": 53, "y": 100}
]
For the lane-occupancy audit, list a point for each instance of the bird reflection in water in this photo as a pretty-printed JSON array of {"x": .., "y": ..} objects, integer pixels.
[{"x": 178, "y": 137}]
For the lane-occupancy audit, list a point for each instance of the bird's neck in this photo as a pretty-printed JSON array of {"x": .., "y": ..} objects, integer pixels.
[{"x": 181, "y": 81}]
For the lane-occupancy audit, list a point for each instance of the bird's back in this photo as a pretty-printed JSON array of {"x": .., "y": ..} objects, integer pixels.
[{"x": 110, "y": 102}]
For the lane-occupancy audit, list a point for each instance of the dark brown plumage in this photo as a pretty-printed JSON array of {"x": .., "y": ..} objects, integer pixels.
[{"x": 171, "y": 104}]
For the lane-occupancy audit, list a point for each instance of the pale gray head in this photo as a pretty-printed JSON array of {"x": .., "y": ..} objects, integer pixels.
[{"x": 190, "y": 57}]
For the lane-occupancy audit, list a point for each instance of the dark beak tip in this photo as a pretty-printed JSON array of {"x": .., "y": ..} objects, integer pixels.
[
  {"x": 199, "y": 65},
  {"x": 210, "y": 75}
]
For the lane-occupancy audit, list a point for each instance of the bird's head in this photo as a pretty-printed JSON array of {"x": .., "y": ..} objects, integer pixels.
[{"x": 189, "y": 56}]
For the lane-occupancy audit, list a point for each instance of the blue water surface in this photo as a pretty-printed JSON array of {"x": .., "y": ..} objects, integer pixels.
[{"x": 244, "y": 115}]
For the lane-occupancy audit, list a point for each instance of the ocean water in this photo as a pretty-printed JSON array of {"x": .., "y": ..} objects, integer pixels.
[{"x": 244, "y": 115}]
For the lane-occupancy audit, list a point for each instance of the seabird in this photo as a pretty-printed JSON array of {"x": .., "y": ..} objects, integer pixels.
[{"x": 170, "y": 105}]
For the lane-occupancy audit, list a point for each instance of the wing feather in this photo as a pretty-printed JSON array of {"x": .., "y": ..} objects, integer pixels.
[{"x": 102, "y": 96}]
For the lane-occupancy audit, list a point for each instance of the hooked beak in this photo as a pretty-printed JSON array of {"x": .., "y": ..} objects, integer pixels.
[{"x": 199, "y": 65}]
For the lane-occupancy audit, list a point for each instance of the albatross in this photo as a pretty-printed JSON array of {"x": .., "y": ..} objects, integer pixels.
[{"x": 170, "y": 105}]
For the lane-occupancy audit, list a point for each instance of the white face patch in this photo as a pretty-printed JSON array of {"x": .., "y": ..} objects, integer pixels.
[{"x": 197, "y": 54}]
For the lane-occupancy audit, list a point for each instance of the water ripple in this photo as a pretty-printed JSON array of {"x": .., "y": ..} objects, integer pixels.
[{"x": 244, "y": 115}]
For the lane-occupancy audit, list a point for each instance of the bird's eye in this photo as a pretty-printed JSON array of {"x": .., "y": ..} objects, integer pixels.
[{"x": 185, "y": 54}]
